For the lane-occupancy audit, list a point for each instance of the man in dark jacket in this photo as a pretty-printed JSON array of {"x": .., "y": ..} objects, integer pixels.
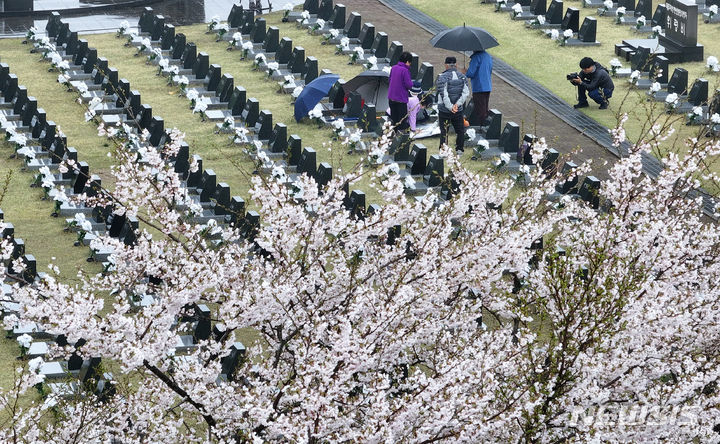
[
  {"x": 452, "y": 92},
  {"x": 595, "y": 80}
]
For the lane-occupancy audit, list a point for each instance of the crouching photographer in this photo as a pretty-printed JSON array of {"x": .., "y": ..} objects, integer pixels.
[{"x": 594, "y": 80}]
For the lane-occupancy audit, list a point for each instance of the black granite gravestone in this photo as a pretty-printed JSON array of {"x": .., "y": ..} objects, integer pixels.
[
  {"x": 189, "y": 56},
  {"x": 311, "y": 6},
  {"x": 234, "y": 18},
  {"x": 284, "y": 51},
  {"x": 278, "y": 139},
  {"x": 571, "y": 20},
  {"x": 146, "y": 20},
  {"x": 589, "y": 191},
  {"x": 251, "y": 112},
  {"x": 157, "y": 130},
  {"x": 435, "y": 171},
  {"x": 264, "y": 125},
  {"x": 426, "y": 76},
  {"x": 296, "y": 64},
  {"x": 307, "y": 162},
  {"x": 248, "y": 22},
  {"x": 510, "y": 138},
  {"x": 310, "y": 70},
  {"x": 237, "y": 100},
  {"x": 538, "y": 7},
  {"x": 678, "y": 83},
  {"x": 201, "y": 65},
  {"x": 643, "y": 8},
  {"x": 325, "y": 10},
  {"x": 213, "y": 76},
  {"x": 640, "y": 61},
  {"x": 368, "y": 118},
  {"x": 569, "y": 184},
  {"x": 272, "y": 39},
  {"x": 323, "y": 175},
  {"x": 658, "y": 18},
  {"x": 178, "y": 46},
  {"x": 367, "y": 36},
  {"x": 352, "y": 26},
  {"x": 418, "y": 159},
  {"x": 337, "y": 19},
  {"x": 207, "y": 185},
  {"x": 659, "y": 69},
  {"x": 225, "y": 88},
  {"x": 493, "y": 125},
  {"x": 394, "y": 53},
  {"x": 168, "y": 37},
  {"x": 294, "y": 149},
  {"x": 588, "y": 30},
  {"x": 354, "y": 105},
  {"x": 380, "y": 46},
  {"x": 157, "y": 28},
  {"x": 698, "y": 94},
  {"x": 554, "y": 15},
  {"x": 259, "y": 31}
]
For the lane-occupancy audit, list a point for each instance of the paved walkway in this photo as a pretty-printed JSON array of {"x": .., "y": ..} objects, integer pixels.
[
  {"x": 515, "y": 105},
  {"x": 519, "y": 97}
]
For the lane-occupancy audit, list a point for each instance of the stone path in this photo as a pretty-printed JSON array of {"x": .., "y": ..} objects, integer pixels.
[
  {"x": 519, "y": 97},
  {"x": 511, "y": 101}
]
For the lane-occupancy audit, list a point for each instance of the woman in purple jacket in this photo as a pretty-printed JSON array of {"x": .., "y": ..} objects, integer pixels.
[{"x": 398, "y": 91}]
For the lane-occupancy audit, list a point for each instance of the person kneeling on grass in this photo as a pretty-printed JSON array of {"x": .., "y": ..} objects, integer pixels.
[{"x": 595, "y": 80}]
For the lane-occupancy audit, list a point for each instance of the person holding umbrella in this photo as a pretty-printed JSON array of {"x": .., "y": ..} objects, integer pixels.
[
  {"x": 480, "y": 74},
  {"x": 467, "y": 38},
  {"x": 399, "y": 91},
  {"x": 452, "y": 92}
]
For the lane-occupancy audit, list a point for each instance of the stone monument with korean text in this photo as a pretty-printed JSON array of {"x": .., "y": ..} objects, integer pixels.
[{"x": 678, "y": 43}]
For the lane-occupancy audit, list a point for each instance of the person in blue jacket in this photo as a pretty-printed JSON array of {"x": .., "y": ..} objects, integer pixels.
[{"x": 480, "y": 72}]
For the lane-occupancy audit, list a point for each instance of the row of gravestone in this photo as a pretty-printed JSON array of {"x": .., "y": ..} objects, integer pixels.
[
  {"x": 23, "y": 111},
  {"x": 34, "y": 342},
  {"x": 246, "y": 113},
  {"x": 552, "y": 17},
  {"x": 355, "y": 202},
  {"x": 360, "y": 34},
  {"x": 121, "y": 104},
  {"x": 505, "y": 141},
  {"x": 45, "y": 147},
  {"x": 488, "y": 133},
  {"x": 163, "y": 36},
  {"x": 654, "y": 69},
  {"x": 77, "y": 376},
  {"x": 131, "y": 101},
  {"x": 286, "y": 151}
]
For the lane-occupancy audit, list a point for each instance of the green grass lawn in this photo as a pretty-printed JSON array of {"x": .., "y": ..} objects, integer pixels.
[
  {"x": 547, "y": 62},
  {"x": 44, "y": 236}
]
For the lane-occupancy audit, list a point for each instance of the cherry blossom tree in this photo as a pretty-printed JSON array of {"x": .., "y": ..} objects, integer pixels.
[{"x": 431, "y": 320}]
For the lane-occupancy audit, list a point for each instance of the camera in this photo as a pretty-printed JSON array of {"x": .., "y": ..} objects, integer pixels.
[{"x": 572, "y": 76}]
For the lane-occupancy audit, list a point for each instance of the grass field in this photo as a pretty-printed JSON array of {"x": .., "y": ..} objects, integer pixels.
[
  {"x": 44, "y": 236},
  {"x": 24, "y": 206}
]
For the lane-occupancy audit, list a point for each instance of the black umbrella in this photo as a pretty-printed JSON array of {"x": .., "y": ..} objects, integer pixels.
[
  {"x": 372, "y": 86},
  {"x": 464, "y": 38}
]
